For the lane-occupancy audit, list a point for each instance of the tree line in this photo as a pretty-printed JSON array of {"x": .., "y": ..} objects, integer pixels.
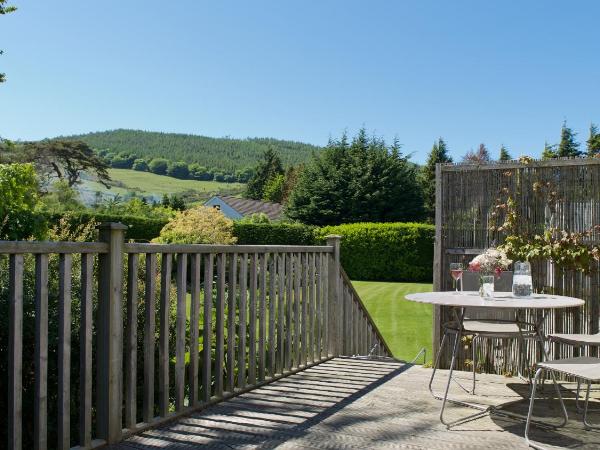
[
  {"x": 225, "y": 154},
  {"x": 176, "y": 169}
]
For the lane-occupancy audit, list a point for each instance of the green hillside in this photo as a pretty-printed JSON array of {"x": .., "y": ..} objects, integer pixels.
[
  {"x": 223, "y": 153},
  {"x": 125, "y": 182}
]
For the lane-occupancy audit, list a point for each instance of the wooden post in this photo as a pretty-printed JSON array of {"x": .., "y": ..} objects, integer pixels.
[
  {"x": 110, "y": 334},
  {"x": 437, "y": 257},
  {"x": 335, "y": 303}
]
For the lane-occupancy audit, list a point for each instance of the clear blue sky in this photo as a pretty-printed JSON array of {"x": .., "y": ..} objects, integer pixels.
[{"x": 470, "y": 71}]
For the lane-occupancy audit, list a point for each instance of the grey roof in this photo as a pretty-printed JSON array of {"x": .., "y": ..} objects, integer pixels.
[{"x": 248, "y": 207}]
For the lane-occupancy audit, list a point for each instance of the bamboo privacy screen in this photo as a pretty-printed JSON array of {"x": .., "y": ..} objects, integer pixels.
[{"x": 563, "y": 193}]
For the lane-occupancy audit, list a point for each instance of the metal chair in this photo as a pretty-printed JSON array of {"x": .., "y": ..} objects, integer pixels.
[
  {"x": 482, "y": 324},
  {"x": 584, "y": 368},
  {"x": 576, "y": 340}
]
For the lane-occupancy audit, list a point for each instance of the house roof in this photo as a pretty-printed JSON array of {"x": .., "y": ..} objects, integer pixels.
[{"x": 248, "y": 207}]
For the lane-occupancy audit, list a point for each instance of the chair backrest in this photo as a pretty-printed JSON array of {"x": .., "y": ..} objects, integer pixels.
[{"x": 503, "y": 283}]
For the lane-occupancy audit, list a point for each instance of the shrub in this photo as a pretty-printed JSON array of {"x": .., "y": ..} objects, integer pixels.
[
  {"x": 201, "y": 225},
  {"x": 140, "y": 228},
  {"x": 158, "y": 166},
  {"x": 178, "y": 169},
  {"x": 140, "y": 165},
  {"x": 385, "y": 251},
  {"x": 19, "y": 216},
  {"x": 277, "y": 233}
]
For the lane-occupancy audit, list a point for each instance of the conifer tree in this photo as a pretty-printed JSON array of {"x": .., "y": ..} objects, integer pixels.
[
  {"x": 268, "y": 168},
  {"x": 438, "y": 154},
  {"x": 568, "y": 146},
  {"x": 593, "y": 142},
  {"x": 549, "y": 151},
  {"x": 504, "y": 155}
]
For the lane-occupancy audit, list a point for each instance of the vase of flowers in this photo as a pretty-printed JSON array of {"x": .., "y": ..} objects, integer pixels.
[{"x": 490, "y": 264}]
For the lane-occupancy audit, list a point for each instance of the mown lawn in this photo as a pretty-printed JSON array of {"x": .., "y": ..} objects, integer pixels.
[{"x": 406, "y": 326}]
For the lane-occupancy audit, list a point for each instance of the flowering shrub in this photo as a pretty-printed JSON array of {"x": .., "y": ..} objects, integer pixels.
[
  {"x": 201, "y": 225},
  {"x": 490, "y": 261}
]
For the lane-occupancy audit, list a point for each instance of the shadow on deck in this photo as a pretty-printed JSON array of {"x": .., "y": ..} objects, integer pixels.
[{"x": 353, "y": 403}]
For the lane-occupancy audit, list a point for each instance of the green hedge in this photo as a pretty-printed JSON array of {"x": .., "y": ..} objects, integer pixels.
[
  {"x": 385, "y": 251},
  {"x": 274, "y": 233},
  {"x": 140, "y": 228},
  {"x": 370, "y": 251}
]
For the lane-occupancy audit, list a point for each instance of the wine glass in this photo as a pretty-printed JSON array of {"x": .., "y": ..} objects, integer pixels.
[{"x": 456, "y": 270}]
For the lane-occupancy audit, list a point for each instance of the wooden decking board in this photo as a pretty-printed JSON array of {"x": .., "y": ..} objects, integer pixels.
[{"x": 384, "y": 405}]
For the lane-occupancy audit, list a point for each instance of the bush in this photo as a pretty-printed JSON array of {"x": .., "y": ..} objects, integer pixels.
[
  {"x": 19, "y": 201},
  {"x": 158, "y": 166},
  {"x": 277, "y": 233},
  {"x": 178, "y": 169},
  {"x": 140, "y": 228},
  {"x": 201, "y": 225},
  {"x": 385, "y": 251},
  {"x": 140, "y": 165}
]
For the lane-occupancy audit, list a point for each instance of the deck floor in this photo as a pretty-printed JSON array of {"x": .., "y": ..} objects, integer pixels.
[{"x": 360, "y": 404}]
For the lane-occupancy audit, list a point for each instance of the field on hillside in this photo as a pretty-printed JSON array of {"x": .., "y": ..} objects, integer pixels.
[
  {"x": 151, "y": 185},
  {"x": 406, "y": 326}
]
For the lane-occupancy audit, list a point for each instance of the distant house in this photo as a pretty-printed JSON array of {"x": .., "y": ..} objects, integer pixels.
[{"x": 236, "y": 208}]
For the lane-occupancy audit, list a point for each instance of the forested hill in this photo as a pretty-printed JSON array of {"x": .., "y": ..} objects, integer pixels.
[{"x": 224, "y": 153}]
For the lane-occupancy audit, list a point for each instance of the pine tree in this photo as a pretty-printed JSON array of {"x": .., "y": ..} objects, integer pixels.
[
  {"x": 593, "y": 143},
  {"x": 438, "y": 154},
  {"x": 549, "y": 151},
  {"x": 568, "y": 146},
  {"x": 268, "y": 168},
  {"x": 504, "y": 155}
]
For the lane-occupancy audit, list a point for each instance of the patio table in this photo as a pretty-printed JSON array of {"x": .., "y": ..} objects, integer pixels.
[{"x": 501, "y": 300}]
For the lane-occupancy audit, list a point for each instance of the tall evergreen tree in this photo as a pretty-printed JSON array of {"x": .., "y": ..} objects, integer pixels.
[
  {"x": 362, "y": 181},
  {"x": 5, "y": 9},
  {"x": 593, "y": 142},
  {"x": 268, "y": 168},
  {"x": 568, "y": 146},
  {"x": 438, "y": 154},
  {"x": 504, "y": 155}
]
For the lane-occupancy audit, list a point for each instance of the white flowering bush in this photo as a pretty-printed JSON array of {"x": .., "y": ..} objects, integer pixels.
[{"x": 490, "y": 261}]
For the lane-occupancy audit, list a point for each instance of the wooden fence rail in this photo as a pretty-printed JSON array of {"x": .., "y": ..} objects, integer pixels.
[{"x": 163, "y": 330}]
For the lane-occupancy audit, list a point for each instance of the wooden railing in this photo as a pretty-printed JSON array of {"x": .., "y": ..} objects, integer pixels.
[{"x": 176, "y": 328}]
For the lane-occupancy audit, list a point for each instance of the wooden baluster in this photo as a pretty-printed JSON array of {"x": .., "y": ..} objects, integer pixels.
[
  {"x": 325, "y": 304},
  {"x": 311, "y": 307},
  {"x": 180, "y": 327},
  {"x": 194, "y": 326},
  {"x": 289, "y": 308},
  {"x": 163, "y": 339},
  {"x": 272, "y": 312},
  {"x": 261, "y": 317},
  {"x": 231, "y": 310},
  {"x": 280, "y": 313},
  {"x": 207, "y": 328},
  {"x": 242, "y": 324},
  {"x": 40, "y": 426},
  {"x": 303, "y": 321},
  {"x": 297, "y": 326},
  {"x": 15, "y": 353},
  {"x": 149, "y": 333},
  {"x": 252, "y": 322},
  {"x": 64, "y": 352},
  {"x": 131, "y": 341},
  {"x": 219, "y": 325}
]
